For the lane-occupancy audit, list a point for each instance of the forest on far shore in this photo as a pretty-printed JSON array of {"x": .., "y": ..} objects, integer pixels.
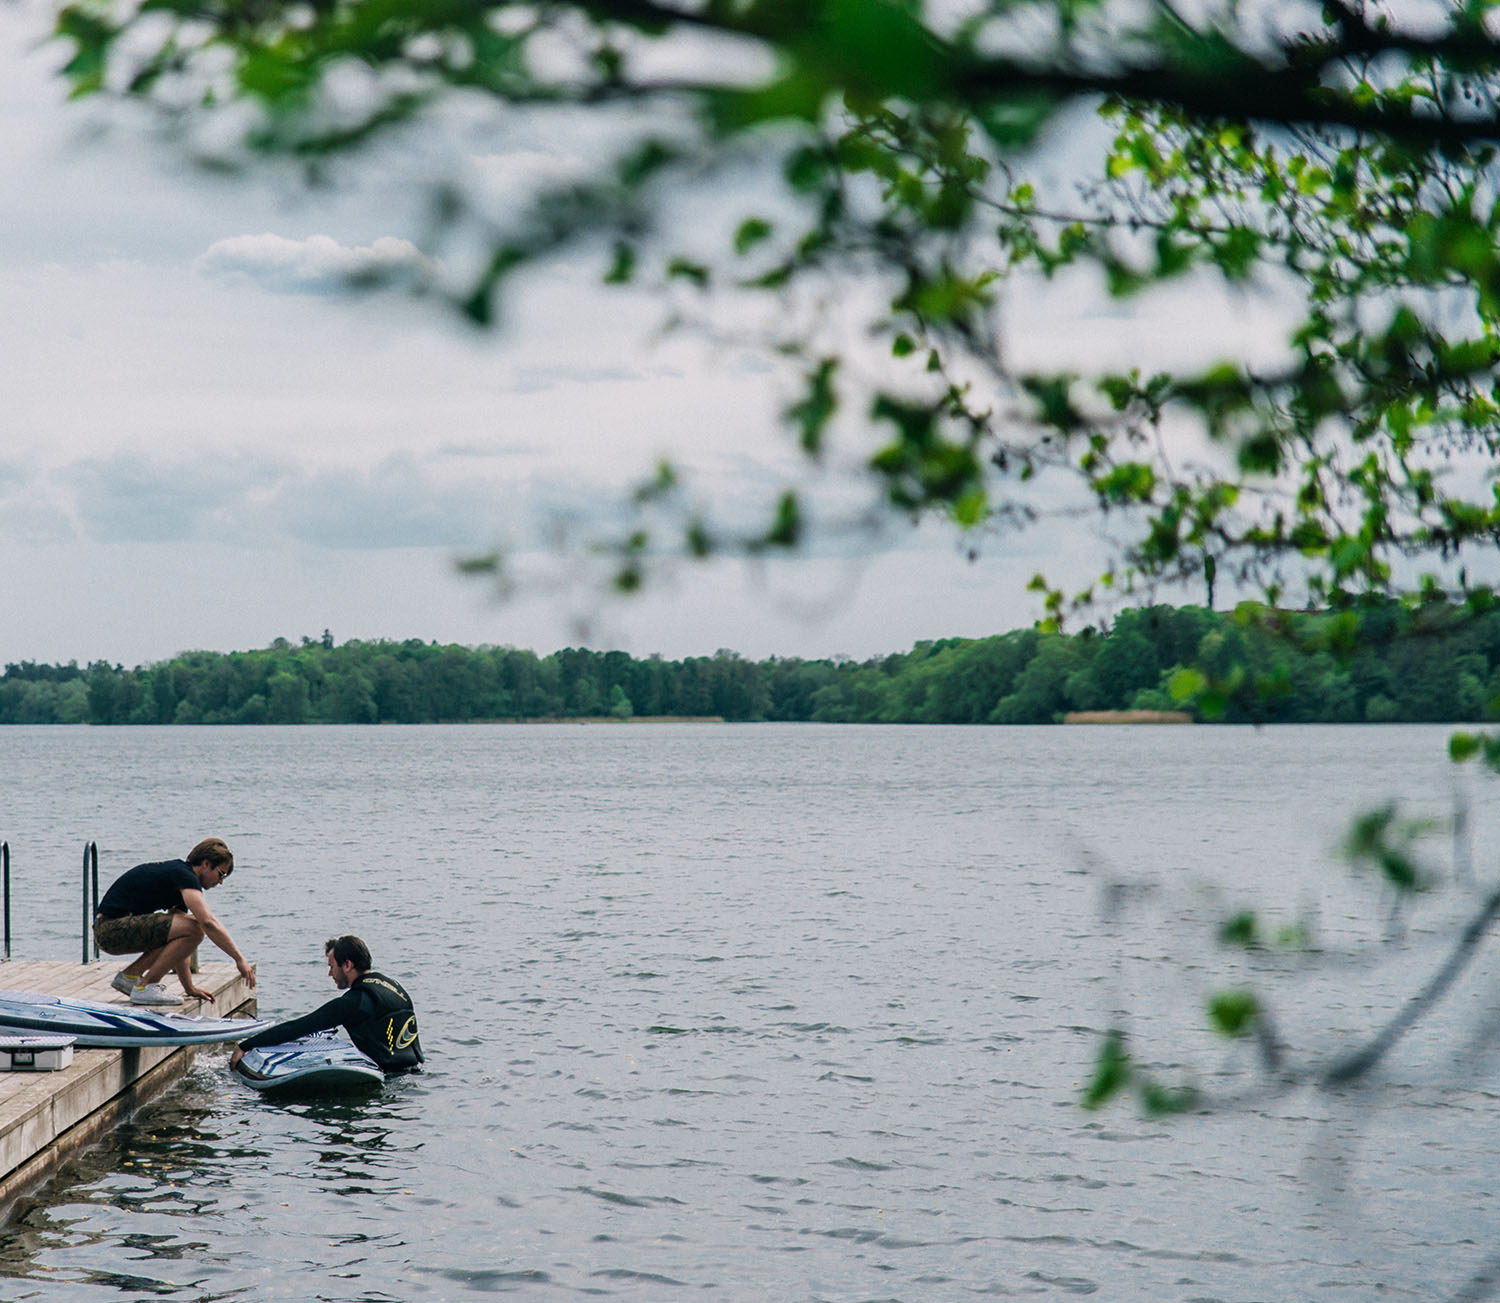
[
  {"x": 1382, "y": 663},
  {"x": 1378, "y": 663}
]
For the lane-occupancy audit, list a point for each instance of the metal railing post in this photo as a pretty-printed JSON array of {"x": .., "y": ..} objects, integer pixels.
[
  {"x": 5, "y": 874},
  {"x": 90, "y": 862}
]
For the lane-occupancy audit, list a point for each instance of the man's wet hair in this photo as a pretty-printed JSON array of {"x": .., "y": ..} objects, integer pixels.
[{"x": 348, "y": 950}]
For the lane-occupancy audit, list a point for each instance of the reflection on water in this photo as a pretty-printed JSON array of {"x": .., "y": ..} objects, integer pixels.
[
  {"x": 174, "y": 1188},
  {"x": 777, "y": 1013}
]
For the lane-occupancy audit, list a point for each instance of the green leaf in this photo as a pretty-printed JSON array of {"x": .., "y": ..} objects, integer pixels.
[
  {"x": 275, "y": 76},
  {"x": 750, "y": 233},
  {"x": 1233, "y": 1013},
  {"x": 1129, "y": 482},
  {"x": 971, "y": 508},
  {"x": 1375, "y": 838},
  {"x": 1241, "y": 930},
  {"x": 880, "y": 48},
  {"x": 1261, "y": 454},
  {"x": 1053, "y": 396},
  {"x": 1212, "y": 703},
  {"x": 659, "y": 485},
  {"x": 1463, "y": 746},
  {"x": 92, "y": 37},
  {"x": 816, "y": 409},
  {"x": 488, "y": 564},
  {"x": 1186, "y": 683},
  {"x": 1294, "y": 936},
  {"x": 1013, "y": 118},
  {"x": 1168, "y": 1101},
  {"x": 1112, "y": 1071},
  {"x": 800, "y": 95},
  {"x": 786, "y": 530},
  {"x": 622, "y": 265},
  {"x": 683, "y": 269},
  {"x": 479, "y": 306}
]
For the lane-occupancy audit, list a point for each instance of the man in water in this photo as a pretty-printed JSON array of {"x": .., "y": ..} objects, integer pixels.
[
  {"x": 375, "y": 1011},
  {"x": 159, "y": 910}
]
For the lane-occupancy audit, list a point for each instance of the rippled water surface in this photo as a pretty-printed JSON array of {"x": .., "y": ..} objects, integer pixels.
[{"x": 779, "y": 1012}]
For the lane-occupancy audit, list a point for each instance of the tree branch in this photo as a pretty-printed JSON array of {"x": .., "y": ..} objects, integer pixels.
[{"x": 1356, "y": 1065}]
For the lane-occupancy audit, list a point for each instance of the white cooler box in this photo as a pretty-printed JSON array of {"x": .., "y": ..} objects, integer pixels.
[{"x": 34, "y": 1053}]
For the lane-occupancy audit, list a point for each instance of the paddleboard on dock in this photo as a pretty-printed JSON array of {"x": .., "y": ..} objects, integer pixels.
[{"x": 98, "y": 1024}]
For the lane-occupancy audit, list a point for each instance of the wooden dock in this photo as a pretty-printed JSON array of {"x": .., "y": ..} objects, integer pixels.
[{"x": 45, "y": 1116}]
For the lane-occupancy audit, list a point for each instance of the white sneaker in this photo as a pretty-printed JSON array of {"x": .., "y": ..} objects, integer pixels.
[
  {"x": 124, "y": 983},
  {"x": 153, "y": 993}
]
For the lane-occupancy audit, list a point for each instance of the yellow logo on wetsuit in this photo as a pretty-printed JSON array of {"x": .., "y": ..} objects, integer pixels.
[{"x": 407, "y": 1034}]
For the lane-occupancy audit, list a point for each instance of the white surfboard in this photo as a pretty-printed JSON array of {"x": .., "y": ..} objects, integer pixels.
[
  {"x": 324, "y": 1061},
  {"x": 96, "y": 1024}
]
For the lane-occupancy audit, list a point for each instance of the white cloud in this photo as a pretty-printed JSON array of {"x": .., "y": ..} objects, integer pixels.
[{"x": 318, "y": 264}]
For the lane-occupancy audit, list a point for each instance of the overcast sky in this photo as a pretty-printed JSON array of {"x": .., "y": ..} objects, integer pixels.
[{"x": 204, "y": 447}]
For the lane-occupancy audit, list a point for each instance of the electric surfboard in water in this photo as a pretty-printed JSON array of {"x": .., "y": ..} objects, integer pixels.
[
  {"x": 96, "y": 1024},
  {"x": 318, "y": 1063}
]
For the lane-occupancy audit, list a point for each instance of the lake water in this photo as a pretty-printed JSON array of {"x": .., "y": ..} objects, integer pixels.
[{"x": 771, "y": 1012}]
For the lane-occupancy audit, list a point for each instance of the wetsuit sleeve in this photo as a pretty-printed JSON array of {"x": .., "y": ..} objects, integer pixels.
[{"x": 336, "y": 1013}]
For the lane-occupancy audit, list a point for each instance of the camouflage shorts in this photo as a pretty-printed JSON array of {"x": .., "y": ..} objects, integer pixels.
[{"x": 133, "y": 934}]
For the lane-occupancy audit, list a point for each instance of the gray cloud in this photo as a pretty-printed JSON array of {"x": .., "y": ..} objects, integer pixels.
[
  {"x": 481, "y": 451},
  {"x": 135, "y": 499},
  {"x": 12, "y": 477},
  {"x": 538, "y": 379},
  {"x": 29, "y": 510},
  {"x": 316, "y": 265},
  {"x": 394, "y": 505},
  {"x": 35, "y": 524},
  {"x": 259, "y": 502},
  {"x": 404, "y": 502}
]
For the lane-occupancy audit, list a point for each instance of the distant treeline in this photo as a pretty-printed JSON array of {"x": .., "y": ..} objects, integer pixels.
[{"x": 1381, "y": 663}]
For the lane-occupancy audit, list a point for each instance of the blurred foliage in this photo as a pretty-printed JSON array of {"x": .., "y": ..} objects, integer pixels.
[
  {"x": 1380, "y": 840},
  {"x": 1233, "y": 1013},
  {"x": 1112, "y": 1071},
  {"x": 1342, "y": 154}
]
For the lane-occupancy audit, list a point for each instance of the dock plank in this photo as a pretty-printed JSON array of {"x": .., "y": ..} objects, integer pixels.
[{"x": 45, "y": 1116}]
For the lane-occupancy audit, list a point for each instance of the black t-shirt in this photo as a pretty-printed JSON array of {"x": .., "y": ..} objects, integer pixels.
[
  {"x": 376, "y": 1012},
  {"x": 148, "y": 888}
]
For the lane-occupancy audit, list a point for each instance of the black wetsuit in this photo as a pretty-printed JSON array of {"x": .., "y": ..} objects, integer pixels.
[{"x": 375, "y": 1011}]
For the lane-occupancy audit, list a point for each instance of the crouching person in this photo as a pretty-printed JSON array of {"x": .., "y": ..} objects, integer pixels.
[
  {"x": 374, "y": 1009},
  {"x": 159, "y": 910}
]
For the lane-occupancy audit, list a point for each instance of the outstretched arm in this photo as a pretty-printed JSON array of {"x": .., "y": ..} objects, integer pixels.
[
  {"x": 216, "y": 932},
  {"x": 324, "y": 1018}
]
